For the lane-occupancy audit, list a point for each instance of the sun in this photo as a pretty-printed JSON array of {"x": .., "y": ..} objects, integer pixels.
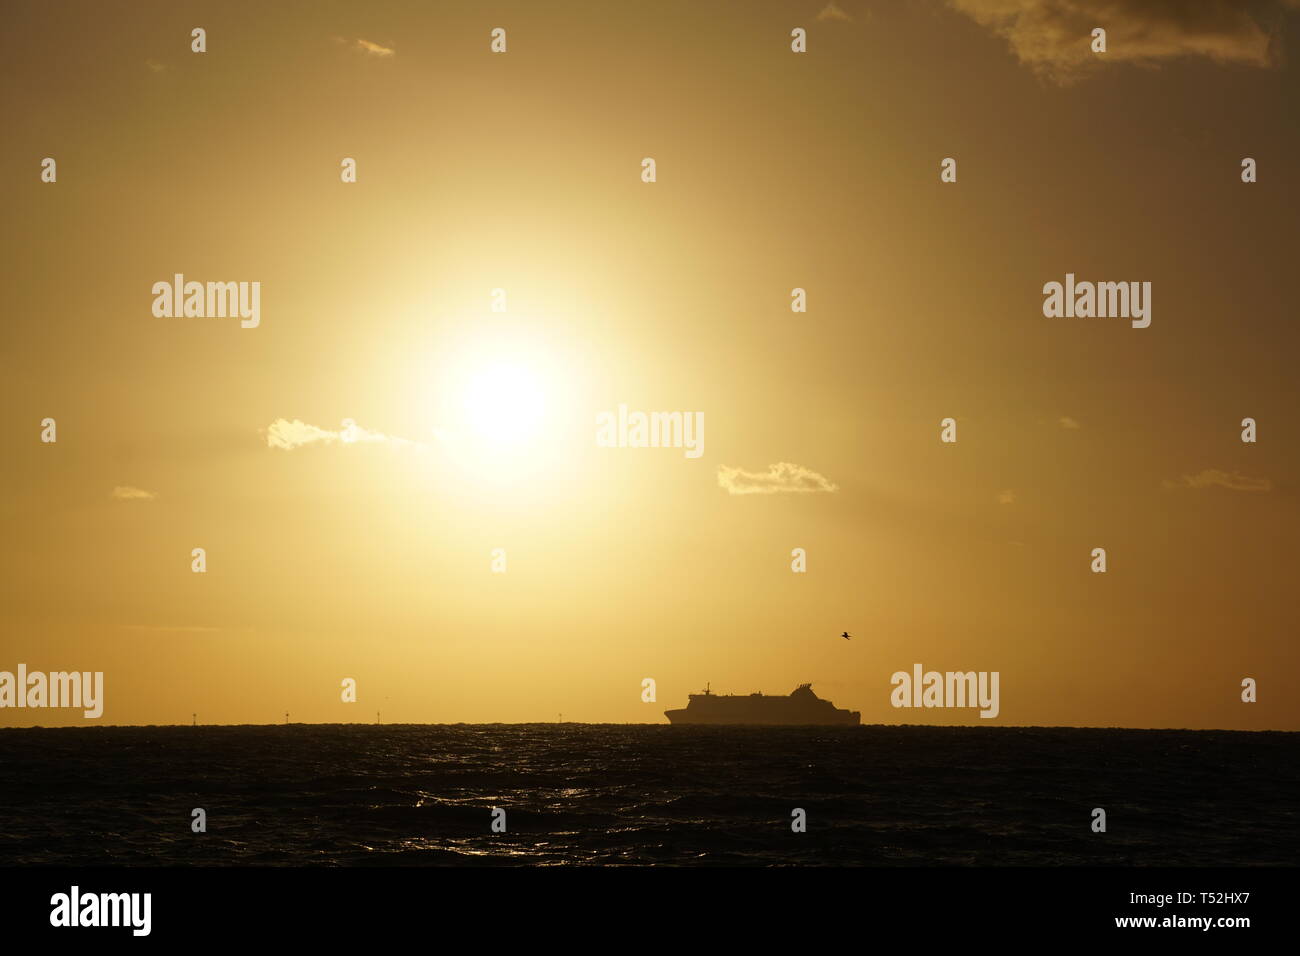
[
  {"x": 504, "y": 403},
  {"x": 500, "y": 404}
]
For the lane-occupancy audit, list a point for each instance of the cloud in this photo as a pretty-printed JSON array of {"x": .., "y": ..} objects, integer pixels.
[
  {"x": 1054, "y": 37},
  {"x": 832, "y": 11},
  {"x": 1007, "y": 497},
  {"x": 779, "y": 478},
  {"x": 1213, "y": 476},
  {"x": 127, "y": 493},
  {"x": 1065, "y": 421},
  {"x": 155, "y": 66},
  {"x": 294, "y": 434},
  {"x": 374, "y": 49}
]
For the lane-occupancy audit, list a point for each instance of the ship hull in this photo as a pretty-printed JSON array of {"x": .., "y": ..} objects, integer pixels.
[
  {"x": 842, "y": 718},
  {"x": 802, "y": 708}
]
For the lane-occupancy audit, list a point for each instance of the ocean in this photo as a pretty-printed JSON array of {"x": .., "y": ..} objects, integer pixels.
[{"x": 399, "y": 795}]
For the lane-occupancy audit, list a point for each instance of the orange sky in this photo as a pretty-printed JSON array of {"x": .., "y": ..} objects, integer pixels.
[{"x": 522, "y": 171}]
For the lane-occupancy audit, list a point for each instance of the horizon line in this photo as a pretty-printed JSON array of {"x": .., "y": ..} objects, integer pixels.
[{"x": 681, "y": 727}]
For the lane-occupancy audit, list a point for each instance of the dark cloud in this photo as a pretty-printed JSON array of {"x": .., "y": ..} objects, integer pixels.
[{"x": 1054, "y": 37}]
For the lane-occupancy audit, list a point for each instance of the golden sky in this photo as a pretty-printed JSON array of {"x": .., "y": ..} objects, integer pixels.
[{"x": 372, "y": 559}]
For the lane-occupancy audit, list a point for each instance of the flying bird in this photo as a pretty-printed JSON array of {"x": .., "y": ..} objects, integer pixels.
[{"x": 845, "y": 635}]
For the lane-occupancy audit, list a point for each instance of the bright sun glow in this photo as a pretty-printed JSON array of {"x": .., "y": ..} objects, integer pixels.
[{"x": 504, "y": 403}]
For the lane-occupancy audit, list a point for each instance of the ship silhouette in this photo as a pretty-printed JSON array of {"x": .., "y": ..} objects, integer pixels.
[{"x": 801, "y": 707}]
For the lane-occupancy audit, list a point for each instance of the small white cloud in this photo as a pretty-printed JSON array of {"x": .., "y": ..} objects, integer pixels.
[
  {"x": 1007, "y": 497},
  {"x": 783, "y": 477},
  {"x": 155, "y": 66},
  {"x": 288, "y": 435},
  {"x": 1065, "y": 421},
  {"x": 1054, "y": 37},
  {"x": 374, "y": 49},
  {"x": 832, "y": 11},
  {"x": 127, "y": 493},
  {"x": 1212, "y": 477}
]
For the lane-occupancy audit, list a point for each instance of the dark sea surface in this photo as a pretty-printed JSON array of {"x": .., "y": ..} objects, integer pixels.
[{"x": 618, "y": 794}]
